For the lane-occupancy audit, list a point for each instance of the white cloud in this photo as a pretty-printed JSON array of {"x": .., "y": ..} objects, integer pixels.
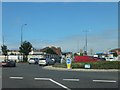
[{"x": 99, "y": 42}]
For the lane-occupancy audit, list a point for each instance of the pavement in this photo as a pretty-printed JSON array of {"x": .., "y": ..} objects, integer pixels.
[
  {"x": 88, "y": 70},
  {"x": 35, "y": 77}
]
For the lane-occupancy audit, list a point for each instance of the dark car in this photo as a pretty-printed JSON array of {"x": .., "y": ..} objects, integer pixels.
[{"x": 8, "y": 63}]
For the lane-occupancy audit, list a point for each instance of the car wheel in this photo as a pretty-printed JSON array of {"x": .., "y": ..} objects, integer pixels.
[
  {"x": 14, "y": 65},
  {"x": 47, "y": 64}
]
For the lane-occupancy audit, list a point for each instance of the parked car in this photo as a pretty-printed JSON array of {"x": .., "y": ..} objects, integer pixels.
[
  {"x": 46, "y": 61},
  {"x": 100, "y": 59},
  {"x": 8, "y": 63},
  {"x": 110, "y": 59},
  {"x": 33, "y": 60}
]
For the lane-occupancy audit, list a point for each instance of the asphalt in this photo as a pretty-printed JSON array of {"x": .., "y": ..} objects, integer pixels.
[{"x": 35, "y": 76}]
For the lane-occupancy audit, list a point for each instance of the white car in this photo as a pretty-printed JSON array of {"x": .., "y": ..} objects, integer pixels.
[
  {"x": 110, "y": 59},
  {"x": 33, "y": 60},
  {"x": 46, "y": 61}
]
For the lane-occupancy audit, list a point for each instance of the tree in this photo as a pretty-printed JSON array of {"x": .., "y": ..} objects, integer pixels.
[
  {"x": 4, "y": 50},
  {"x": 75, "y": 54},
  {"x": 115, "y": 54},
  {"x": 25, "y": 49}
]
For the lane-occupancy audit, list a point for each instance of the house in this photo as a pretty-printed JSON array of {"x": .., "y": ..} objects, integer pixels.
[
  {"x": 13, "y": 52},
  {"x": 57, "y": 50},
  {"x": 117, "y": 51}
]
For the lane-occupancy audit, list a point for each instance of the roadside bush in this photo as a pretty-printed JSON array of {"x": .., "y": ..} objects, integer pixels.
[
  {"x": 60, "y": 65},
  {"x": 77, "y": 65},
  {"x": 106, "y": 65},
  {"x": 94, "y": 65}
]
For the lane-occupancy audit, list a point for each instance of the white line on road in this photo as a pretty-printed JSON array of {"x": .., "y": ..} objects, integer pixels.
[
  {"x": 111, "y": 81},
  {"x": 53, "y": 82},
  {"x": 42, "y": 78},
  {"x": 16, "y": 77},
  {"x": 71, "y": 79},
  {"x": 60, "y": 84}
]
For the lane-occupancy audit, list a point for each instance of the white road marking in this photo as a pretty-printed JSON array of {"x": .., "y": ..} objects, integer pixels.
[
  {"x": 16, "y": 77},
  {"x": 71, "y": 79},
  {"x": 60, "y": 84},
  {"x": 42, "y": 78},
  {"x": 53, "y": 82},
  {"x": 111, "y": 81}
]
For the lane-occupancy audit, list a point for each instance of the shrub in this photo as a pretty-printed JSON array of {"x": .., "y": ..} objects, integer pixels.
[{"x": 94, "y": 65}]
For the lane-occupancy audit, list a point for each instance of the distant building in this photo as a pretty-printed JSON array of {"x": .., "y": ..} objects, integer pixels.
[
  {"x": 117, "y": 50},
  {"x": 67, "y": 54},
  {"x": 14, "y": 52},
  {"x": 57, "y": 50}
]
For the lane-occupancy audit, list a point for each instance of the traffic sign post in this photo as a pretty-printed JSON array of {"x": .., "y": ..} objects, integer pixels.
[
  {"x": 68, "y": 62},
  {"x": 87, "y": 66}
]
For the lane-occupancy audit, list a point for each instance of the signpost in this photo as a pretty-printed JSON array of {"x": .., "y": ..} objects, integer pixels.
[
  {"x": 87, "y": 66},
  {"x": 68, "y": 62}
]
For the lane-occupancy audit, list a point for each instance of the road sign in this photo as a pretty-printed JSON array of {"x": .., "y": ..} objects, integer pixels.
[
  {"x": 87, "y": 66},
  {"x": 68, "y": 62}
]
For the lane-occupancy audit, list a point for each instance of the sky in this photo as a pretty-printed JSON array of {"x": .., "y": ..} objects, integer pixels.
[{"x": 61, "y": 24}]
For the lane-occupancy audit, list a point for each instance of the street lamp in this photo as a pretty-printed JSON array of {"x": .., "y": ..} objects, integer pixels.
[
  {"x": 22, "y": 32},
  {"x": 22, "y": 36},
  {"x": 86, "y": 41}
]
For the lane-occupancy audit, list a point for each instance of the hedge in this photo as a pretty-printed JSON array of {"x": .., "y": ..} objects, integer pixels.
[{"x": 94, "y": 65}]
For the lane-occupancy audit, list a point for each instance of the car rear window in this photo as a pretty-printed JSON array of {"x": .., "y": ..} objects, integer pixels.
[
  {"x": 31, "y": 58},
  {"x": 42, "y": 59}
]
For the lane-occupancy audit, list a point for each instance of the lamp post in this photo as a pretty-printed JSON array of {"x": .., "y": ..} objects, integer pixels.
[
  {"x": 22, "y": 32},
  {"x": 86, "y": 41},
  {"x": 22, "y": 36},
  {"x": 2, "y": 38}
]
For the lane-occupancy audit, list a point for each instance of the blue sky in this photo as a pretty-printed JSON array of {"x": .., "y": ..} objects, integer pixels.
[{"x": 61, "y": 24}]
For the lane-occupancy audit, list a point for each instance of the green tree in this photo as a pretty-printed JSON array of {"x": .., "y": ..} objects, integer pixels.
[
  {"x": 115, "y": 54},
  {"x": 75, "y": 54},
  {"x": 25, "y": 49},
  {"x": 4, "y": 50}
]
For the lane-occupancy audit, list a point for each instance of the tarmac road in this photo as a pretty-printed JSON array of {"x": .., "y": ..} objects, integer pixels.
[{"x": 34, "y": 76}]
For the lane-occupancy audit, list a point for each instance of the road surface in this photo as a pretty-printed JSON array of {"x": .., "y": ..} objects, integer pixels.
[{"x": 34, "y": 76}]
